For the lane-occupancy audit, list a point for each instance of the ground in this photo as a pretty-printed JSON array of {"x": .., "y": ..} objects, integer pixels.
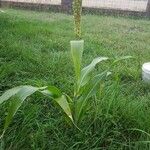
[{"x": 35, "y": 49}]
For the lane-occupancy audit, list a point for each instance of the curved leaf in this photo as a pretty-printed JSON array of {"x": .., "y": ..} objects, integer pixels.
[
  {"x": 19, "y": 94},
  {"x": 122, "y": 58},
  {"x": 9, "y": 93},
  {"x": 63, "y": 103},
  {"x": 52, "y": 91},
  {"x": 85, "y": 72},
  {"x": 89, "y": 91},
  {"x": 60, "y": 99}
]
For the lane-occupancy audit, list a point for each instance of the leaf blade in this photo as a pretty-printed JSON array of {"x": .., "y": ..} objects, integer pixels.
[
  {"x": 60, "y": 99},
  {"x": 122, "y": 58},
  {"x": 88, "y": 69},
  {"x": 63, "y": 103},
  {"x": 9, "y": 93},
  {"x": 77, "y": 52},
  {"x": 21, "y": 95},
  {"x": 90, "y": 91}
]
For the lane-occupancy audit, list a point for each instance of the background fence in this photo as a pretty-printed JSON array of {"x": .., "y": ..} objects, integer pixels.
[{"x": 135, "y": 7}]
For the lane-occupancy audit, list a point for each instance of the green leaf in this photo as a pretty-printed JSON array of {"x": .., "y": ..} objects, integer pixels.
[
  {"x": 90, "y": 90},
  {"x": 76, "y": 52},
  {"x": 60, "y": 99},
  {"x": 52, "y": 91},
  {"x": 19, "y": 94},
  {"x": 9, "y": 93},
  {"x": 26, "y": 91},
  {"x": 122, "y": 58},
  {"x": 63, "y": 103},
  {"x": 85, "y": 72},
  {"x": 12, "y": 109}
]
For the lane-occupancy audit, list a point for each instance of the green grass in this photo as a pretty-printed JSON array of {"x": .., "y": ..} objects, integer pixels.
[{"x": 34, "y": 49}]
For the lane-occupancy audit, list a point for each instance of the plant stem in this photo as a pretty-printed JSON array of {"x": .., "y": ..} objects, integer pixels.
[{"x": 77, "y": 10}]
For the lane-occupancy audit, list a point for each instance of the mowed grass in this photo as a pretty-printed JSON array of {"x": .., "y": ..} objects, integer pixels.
[{"x": 34, "y": 49}]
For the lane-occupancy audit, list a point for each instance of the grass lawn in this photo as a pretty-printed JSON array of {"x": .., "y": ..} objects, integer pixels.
[{"x": 34, "y": 49}]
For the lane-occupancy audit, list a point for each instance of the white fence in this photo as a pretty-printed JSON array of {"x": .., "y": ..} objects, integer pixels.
[{"x": 132, "y": 5}]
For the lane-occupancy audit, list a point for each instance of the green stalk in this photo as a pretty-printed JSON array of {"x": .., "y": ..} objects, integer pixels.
[{"x": 77, "y": 10}]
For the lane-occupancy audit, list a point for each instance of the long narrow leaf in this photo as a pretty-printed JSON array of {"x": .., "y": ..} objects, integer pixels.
[
  {"x": 52, "y": 91},
  {"x": 89, "y": 91},
  {"x": 12, "y": 109},
  {"x": 85, "y": 72},
  {"x": 63, "y": 103},
  {"x": 76, "y": 52},
  {"x": 122, "y": 58},
  {"x": 19, "y": 95},
  {"x": 9, "y": 93},
  {"x": 60, "y": 99},
  {"x": 92, "y": 88}
]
